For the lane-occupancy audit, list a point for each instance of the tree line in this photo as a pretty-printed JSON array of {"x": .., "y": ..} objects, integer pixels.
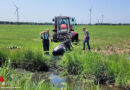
[
  {"x": 48, "y": 23},
  {"x": 107, "y": 24},
  {"x": 24, "y": 23}
]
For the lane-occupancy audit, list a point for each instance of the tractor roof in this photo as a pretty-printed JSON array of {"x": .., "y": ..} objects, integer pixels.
[{"x": 62, "y": 17}]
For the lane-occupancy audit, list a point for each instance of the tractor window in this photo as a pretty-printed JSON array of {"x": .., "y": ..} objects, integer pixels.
[
  {"x": 72, "y": 22},
  {"x": 64, "y": 21}
]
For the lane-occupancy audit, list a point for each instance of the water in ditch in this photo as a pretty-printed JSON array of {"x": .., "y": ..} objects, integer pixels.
[{"x": 68, "y": 83}]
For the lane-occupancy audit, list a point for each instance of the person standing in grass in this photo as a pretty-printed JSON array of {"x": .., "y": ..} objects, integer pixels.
[
  {"x": 86, "y": 39},
  {"x": 45, "y": 40}
]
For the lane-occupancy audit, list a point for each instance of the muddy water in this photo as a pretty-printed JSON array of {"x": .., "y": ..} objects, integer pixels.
[
  {"x": 110, "y": 87},
  {"x": 56, "y": 80},
  {"x": 62, "y": 83}
]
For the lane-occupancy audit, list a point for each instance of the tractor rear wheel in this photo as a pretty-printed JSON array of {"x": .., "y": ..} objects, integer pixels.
[{"x": 54, "y": 36}]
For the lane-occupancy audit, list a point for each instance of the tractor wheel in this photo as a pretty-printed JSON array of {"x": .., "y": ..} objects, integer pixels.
[{"x": 54, "y": 36}]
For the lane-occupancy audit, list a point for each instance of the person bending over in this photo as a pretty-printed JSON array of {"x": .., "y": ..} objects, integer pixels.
[{"x": 74, "y": 35}]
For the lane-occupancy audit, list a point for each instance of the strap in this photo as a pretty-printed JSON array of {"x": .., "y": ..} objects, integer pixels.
[{"x": 47, "y": 36}]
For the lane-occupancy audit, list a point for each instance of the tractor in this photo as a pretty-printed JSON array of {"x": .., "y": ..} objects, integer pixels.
[{"x": 62, "y": 26}]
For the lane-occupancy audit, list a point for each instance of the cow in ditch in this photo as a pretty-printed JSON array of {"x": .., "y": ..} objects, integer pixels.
[{"x": 60, "y": 49}]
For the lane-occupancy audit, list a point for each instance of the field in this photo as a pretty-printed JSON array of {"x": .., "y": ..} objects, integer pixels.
[
  {"x": 27, "y": 36},
  {"x": 107, "y": 62}
]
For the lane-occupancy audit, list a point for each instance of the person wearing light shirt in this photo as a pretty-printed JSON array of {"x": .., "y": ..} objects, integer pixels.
[
  {"x": 86, "y": 39},
  {"x": 45, "y": 40}
]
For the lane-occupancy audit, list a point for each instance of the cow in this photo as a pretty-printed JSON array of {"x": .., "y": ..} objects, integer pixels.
[{"x": 60, "y": 49}]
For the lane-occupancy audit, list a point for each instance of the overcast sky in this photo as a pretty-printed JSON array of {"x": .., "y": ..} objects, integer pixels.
[{"x": 114, "y": 11}]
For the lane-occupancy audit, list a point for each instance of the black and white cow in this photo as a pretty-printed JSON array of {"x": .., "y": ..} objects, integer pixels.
[{"x": 60, "y": 49}]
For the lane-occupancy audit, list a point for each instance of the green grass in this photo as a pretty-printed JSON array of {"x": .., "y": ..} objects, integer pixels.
[
  {"x": 28, "y": 36},
  {"x": 26, "y": 59},
  {"x": 113, "y": 68},
  {"x": 110, "y": 50},
  {"x": 24, "y": 81},
  {"x": 24, "y": 36}
]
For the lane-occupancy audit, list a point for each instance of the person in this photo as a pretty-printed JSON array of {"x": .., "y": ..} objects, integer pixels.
[
  {"x": 45, "y": 40},
  {"x": 73, "y": 35},
  {"x": 62, "y": 22},
  {"x": 86, "y": 39}
]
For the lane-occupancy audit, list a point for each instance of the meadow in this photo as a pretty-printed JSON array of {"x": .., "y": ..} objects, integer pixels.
[{"x": 107, "y": 63}]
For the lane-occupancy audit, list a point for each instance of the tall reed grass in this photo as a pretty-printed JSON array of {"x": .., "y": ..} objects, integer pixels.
[
  {"x": 26, "y": 59},
  {"x": 104, "y": 69},
  {"x": 24, "y": 81}
]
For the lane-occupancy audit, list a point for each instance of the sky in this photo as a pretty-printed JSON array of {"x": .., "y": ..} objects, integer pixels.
[{"x": 114, "y": 11}]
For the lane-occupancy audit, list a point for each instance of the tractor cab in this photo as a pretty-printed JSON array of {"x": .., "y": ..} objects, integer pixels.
[{"x": 62, "y": 26}]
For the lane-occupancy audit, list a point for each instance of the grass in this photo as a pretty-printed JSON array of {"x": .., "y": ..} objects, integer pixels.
[
  {"x": 24, "y": 81},
  {"x": 26, "y": 59},
  {"x": 24, "y": 36},
  {"x": 108, "y": 58},
  {"x": 28, "y": 36},
  {"x": 104, "y": 69}
]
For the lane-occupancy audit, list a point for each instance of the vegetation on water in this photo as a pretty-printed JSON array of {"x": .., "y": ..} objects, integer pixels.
[
  {"x": 24, "y": 81},
  {"x": 106, "y": 63}
]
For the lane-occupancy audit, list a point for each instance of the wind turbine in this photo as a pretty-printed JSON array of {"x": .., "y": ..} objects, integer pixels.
[
  {"x": 16, "y": 11},
  {"x": 90, "y": 10},
  {"x": 102, "y": 18}
]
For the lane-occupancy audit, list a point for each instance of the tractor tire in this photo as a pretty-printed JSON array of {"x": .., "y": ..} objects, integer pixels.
[{"x": 54, "y": 36}]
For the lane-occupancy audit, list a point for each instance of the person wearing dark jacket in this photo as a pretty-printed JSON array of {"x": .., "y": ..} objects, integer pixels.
[{"x": 45, "y": 40}]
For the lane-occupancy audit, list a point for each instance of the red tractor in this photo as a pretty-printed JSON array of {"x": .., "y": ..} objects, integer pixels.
[{"x": 62, "y": 26}]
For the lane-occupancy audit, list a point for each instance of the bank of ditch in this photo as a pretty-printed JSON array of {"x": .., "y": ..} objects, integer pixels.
[
  {"x": 32, "y": 60},
  {"x": 112, "y": 69}
]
